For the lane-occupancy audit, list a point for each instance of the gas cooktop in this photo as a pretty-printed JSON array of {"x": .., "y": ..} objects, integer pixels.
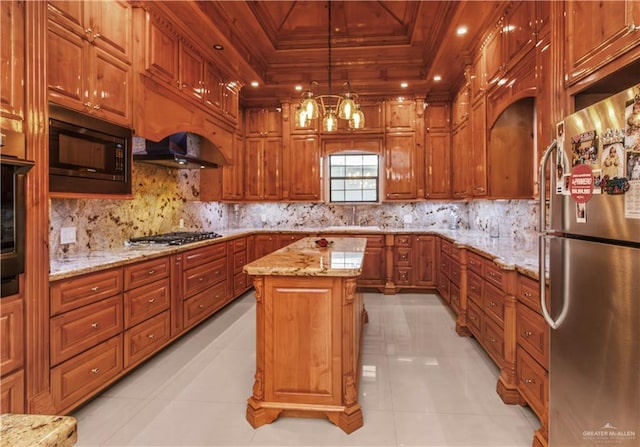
[{"x": 174, "y": 238}]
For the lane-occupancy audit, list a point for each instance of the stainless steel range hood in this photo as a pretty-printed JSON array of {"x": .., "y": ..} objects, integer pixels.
[{"x": 172, "y": 152}]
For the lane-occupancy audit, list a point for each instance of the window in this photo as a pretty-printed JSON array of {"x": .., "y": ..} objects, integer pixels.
[{"x": 353, "y": 178}]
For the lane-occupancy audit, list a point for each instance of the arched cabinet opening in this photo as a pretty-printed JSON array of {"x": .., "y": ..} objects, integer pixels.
[{"x": 510, "y": 151}]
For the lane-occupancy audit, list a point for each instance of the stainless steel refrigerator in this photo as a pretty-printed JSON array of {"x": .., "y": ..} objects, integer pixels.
[{"x": 590, "y": 240}]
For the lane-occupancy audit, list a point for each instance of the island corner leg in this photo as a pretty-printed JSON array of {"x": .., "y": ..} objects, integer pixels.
[
  {"x": 258, "y": 416},
  {"x": 349, "y": 420}
]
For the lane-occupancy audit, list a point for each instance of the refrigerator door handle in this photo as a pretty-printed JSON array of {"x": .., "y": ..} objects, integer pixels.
[
  {"x": 554, "y": 324},
  {"x": 542, "y": 224}
]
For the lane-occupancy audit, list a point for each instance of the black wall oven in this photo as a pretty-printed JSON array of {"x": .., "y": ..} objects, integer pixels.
[{"x": 13, "y": 210}]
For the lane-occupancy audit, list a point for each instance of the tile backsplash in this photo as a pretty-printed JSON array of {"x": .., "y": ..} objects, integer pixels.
[{"x": 163, "y": 197}]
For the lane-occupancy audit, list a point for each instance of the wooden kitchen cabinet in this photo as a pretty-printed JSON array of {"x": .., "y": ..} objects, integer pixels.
[
  {"x": 282, "y": 240},
  {"x": 374, "y": 265},
  {"x": 263, "y": 168},
  {"x": 606, "y": 30},
  {"x": 263, "y": 122},
  {"x": 302, "y": 165},
  {"x": 400, "y": 115},
  {"x": 162, "y": 45},
  {"x": 12, "y": 354},
  {"x": 12, "y": 94},
  {"x": 460, "y": 160},
  {"x": 478, "y": 143},
  {"x": 89, "y": 58},
  {"x": 401, "y": 168},
  {"x": 233, "y": 174},
  {"x": 264, "y": 244},
  {"x": 12, "y": 393},
  {"x": 238, "y": 256},
  {"x": 424, "y": 260}
]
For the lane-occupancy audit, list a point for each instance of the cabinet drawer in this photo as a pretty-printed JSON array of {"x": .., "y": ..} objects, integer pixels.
[
  {"x": 79, "y": 377},
  {"x": 493, "y": 273},
  {"x": 475, "y": 316},
  {"x": 239, "y": 244},
  {"x": 203, "y": 304},
  {"x": 445, "y": 266},
  {"x": 72, "y": 293},
  {"x": 402, "y": 276},
  {"x": 493, "y": 340},
  {"x": 444, "y": 286},
  {"x": 528, "y": 292},
  {"x": 11, "y": 334},
  {"x": 145, "y": 272},
  {"x": 455, "y": 253},
  {"x": 474, "y": 287},
  {"x": 402, "y": 257},
  {"x": 374, "y": 241},
  {"x": 533, "y": 334},
  {"x": 81, "y": 329},
  {"x": 12, "y": 393},
  {"x": 239, "y": 260},
  {"x": 240, "y": 283},
  {"x": 403, "y": 240},
  {"x": 146, "y": 338},
  {"x": 493, "y": 303},
  {"x": 474, "y": 262},
  {"x": 454, "y": 293},
  {"x": 532, "y": 381},
  {"x": 455, "y": 273},
  {"x": 202, "y": 277},
  {"x": 145, "y": 302},
  {"x": 204, "y": 255},
  {"x": 446, "y": 246}
]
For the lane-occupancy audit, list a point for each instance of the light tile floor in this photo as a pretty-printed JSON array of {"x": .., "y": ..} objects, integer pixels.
[{"x": 422, "y": 385}]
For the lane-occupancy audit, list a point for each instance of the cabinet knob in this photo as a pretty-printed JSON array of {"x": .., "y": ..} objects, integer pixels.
[
  {"x": 492, "y": 303},
  {"x": 201, "y": 306},
  {"x": 151, "y": 272},
  {"x": 633, "y": 27},
  {"x": 97, "y": 107},
  {"x": 95, "y": 289},
  {"x": 151, "y": 336},
  {"x": 152, "y": 300},
  {"x": 201, "y": 279},
  {"x": 529, "y": 381},
  {"x": 527, "y": 334},
  {"x": 527, "y": 294},
  {"x": 492, "y": 340},
  {"x": 95, "y": 325},
  {"x": 95, "y": 370}
]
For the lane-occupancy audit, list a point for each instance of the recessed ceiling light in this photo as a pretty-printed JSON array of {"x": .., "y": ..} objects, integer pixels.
[
  {"x": 437, "y": 78},
  {"x": 218, "y": 47},
  {"x": 254, "y": 83},
  {"x": 298, "y": 88},
  {"x": 404, "y": 84},
  {"x": 462, "y": 30}
]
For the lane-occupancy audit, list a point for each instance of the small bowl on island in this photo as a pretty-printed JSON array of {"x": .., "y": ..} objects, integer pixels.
[{"x": 323, "y": 243}]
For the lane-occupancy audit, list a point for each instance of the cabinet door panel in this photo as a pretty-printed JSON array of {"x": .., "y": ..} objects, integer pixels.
[
  {"x": 253, "y": 168},
  {"x": 191, "y": 73},
  {"x": 424, "y": 252},
  {"x": 111, "y": 24},
  {"x": 67, "y": 67},
  {"x": 273, "y": 168},
  {"x": 400, "y": 115},
  {"x": 439, "y": 165},
  {"x": 112, "y": 86},
  {"x": 11, "y": 334},
  {"x": 304, "y": 168},
  {"x": 162, "y": 51},
  {"x": 400, "y": 182},
  {"x": 12, "y": 61},
  {"x": 479, "y": 148},
  {"x": 12, "y": 393}
]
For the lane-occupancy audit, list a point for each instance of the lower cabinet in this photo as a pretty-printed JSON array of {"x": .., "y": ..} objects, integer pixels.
[
  {"x": 103, "y": 324},
  {"x": 12, "y": 354}
]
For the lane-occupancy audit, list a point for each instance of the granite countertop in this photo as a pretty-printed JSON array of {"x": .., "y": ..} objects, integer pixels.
[
  {"x": 341, "y": 257},
  {"x": 35, "y": 430},
  {"x": 520, "y": 253}
]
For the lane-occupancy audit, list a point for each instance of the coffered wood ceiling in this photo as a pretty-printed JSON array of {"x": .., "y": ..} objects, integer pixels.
[{"x": 376, "y": 45}]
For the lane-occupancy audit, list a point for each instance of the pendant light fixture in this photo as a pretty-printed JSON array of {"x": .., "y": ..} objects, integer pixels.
[{"x": 331, "y": 107}]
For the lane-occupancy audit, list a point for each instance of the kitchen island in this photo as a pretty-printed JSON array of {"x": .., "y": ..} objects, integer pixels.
[{"x": 309, "y": 321}]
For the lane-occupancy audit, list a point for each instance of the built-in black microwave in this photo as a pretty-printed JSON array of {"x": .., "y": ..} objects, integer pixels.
[{"x": 87, "y": 155}]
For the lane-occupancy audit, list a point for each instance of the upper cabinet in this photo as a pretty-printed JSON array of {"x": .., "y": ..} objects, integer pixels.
[
  {"x": 263, "y": 122},
  {"x": 89, "y": 58},
  {"x": 597, "y": 33},
  {"x": 12, "y": 65},
  {"x": 400, "y": 115}
]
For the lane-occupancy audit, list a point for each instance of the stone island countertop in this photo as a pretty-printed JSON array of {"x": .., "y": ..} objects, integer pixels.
[
  {"x": 36, "y": 430},
  {"x": 342, "y": 256}
]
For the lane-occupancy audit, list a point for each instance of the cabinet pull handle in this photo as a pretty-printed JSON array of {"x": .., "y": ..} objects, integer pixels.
[
  {"x": 151, "y": 336},
  {"x": 95, "y": 370},
  {"x": 88, "y": 31},
  {"x": 152, "y": 300},
  {"x": 95, "y": 325},
  {"x": 97, "y": 107},
  {"x": 201, "y": 306},
  {"x": 527, "y": 294},
  {"x": 201, "y": 278},
  {"x": 151, "y": 272},
  {"x": 527, "y": 334},
  {"x": 95, "y": 289},
  {"x": 492, "y": 303},
  {"x": 492, "y": 340},
  {"x": 529, "y": 381}
]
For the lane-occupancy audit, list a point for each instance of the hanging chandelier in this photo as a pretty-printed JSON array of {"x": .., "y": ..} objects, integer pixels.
[{"x": 330, "y": 107}]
